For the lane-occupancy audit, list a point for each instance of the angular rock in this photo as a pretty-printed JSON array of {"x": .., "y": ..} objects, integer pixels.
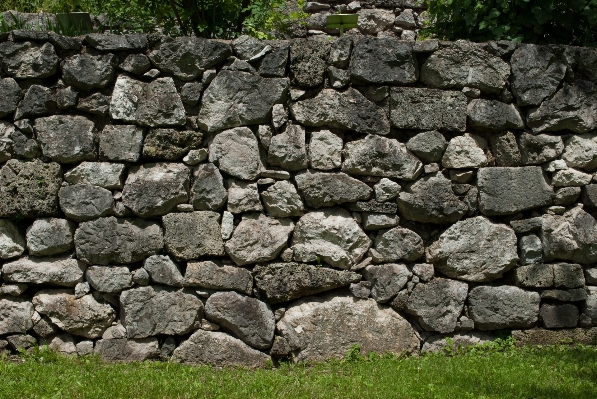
[
  {"x": 437, "y": 343},
  {"x": 467, "y": 151},
  {"x": 438, "y": 304},
  {"x": 540, "y": 148},
  {"x": 317, "y": 328},
  {"x": 386, "y": 190},
  {"x": 86, "y": 72},
  {"x": 243, "y": 197},
  {"x": 581, "y": 151},
  {"x": 428, "y": 109},
  {"x": 506, "y": 191},
  {"x": 192, "y": 235},
  {"x": 191, "y": 93},
  {"x": 273, "y": 64},
  {"x": 27, "y": 60},
  {"x": 568, "y": 275},
  {"x": 127, "y": 350},
  {"x": 287, "y": 149},
  {"x": 429, "y": 146},
  {"x": 163, "y": 270},
  {"x": 566, "y": 195},
  {"x": 505, "y": 149},
  {"x": 494, "y": 308},
  {"x": 207, "y": 191},
  {"x": 12, "y": 243},
  {"x": 113, "y": 42},
  {"x": 321, "y": 189},
  {"x": 325, "y": 150},
  {"x": 378, "y": 221},
  {"x": 97, "y": 104},
  {"x": 120, "y": 241},
  {"x": 154, "y": 189},
  {"x": 570, "y": 236},
  {"x": 38, "y": 101},
  {"x": 249, "y": 48},
  {"x": 340, "y": 52},
  {"x": 218, "y": 277},
  {"x": 136, "y": 64},
  {"x": 330, "y": 235},
  {"x": 570, "y": 178},
  {"x": 530, "y": 249},
  {"x": 348, "y": 110},
  {"x": 383, "y": 61},
  {"x": 308, "y": 62},
  {"x": 387, "y": 280},
  {"x": 534, "y": 276},
  {"x": 155, "y": 310},
  {"x": 12, "y": 94},
  {"x": 84, "y": 316},
  {"x": 112, "y": 280},
  {"x": 22, "y": 341},
  {"x": 15, "y": 315},
  {"x": 431, "y": 200},
  {"x": 282, "y": 200},
  {"x": 399, "y": 244},
  {"x": 558, "y": 316},
  {"x": 82, "y": 202},
  {"x": 63, "y": 344},
  {"x": 102, "y": 174},
  {"x": 474, "y": 250},
  {"x": 590, "y": 306},
  {"x": 236, "y": 152},
  {"x": 121, "y": 143},
  {"x": 380, "y": 156},
  {"x": 50, "y": 236},
  {"x": 63, "y": 271},
  {"x": 170, "y": 144},
  {"x": 493, "y": 115},
  {"x": 66, "y": 138}
]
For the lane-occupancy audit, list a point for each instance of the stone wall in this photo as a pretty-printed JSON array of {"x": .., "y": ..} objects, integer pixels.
[{"x": 233, "y": 202}]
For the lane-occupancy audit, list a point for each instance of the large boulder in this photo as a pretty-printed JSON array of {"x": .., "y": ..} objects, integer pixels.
[
  {"x": 495, "y": 308},
  {"x": 308, "y": 62},
  {"x": 82, "y": 202},
  {"x": 65, "y": 271},
  {"x": 248, "y": 318},
  {"x": 380, "y": 156},
  {"x": 431, "y": 200},
  {"x": 155, "y": 310},
  {"x": 348, "y": 110},
  {"x": 387, "y": 280},
  {"x": 236, "y": 152},
  {"x": 282, "y": 282},
  {"x": 12, "y": 243},
  {"x": 320, "y": 189},
  {"x": 87, "y": 72},
  {"x": 66, "y": 138},
  {"x": 215, "y": 276},
  {"x": 258, "y": 238},
  {"x": 331, "y": 236},
  {"x": 187, "y": 57},
  {"x": 474, "y": 250},
  {"x": 383, "y": 61},
  {"x": 236, "y": 98},
  {"x": 506, "y": 191},
  {"x": 50, "y": 236},
  {"x": 318, "y": 328},
  {"x": 571, "y": 236},
  {"x": 127, "y": 350},
  {"x": 110, "y": 240},
  {"x": 490, "y": 115},
  {"x": 27, "y": 60},
  {"x": 102, "y": 174},
  {"x": 219, "y": 350},
  {"x": 465, "y": 64},
  {"x": 16, "y": 315},
  {"x": 208, "y": 192},
  {"x": 80, "y": 316},
  {"x": 428, "y": 109},
  {"x": 19, "y": 197},
  {"x": 154, "y": 189},
  {"x": 399, "y": 244},
  {"x": 192, "y": 235}
]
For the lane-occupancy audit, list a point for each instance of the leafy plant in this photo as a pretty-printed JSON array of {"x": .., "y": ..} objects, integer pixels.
[{"x": 571, "y": 22}]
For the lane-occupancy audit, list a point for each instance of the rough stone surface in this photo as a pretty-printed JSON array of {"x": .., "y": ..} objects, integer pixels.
[
  {"x": 215, "y": 276},
  {"x": 113, "y": 42},
  {"x": 540, "y": 148},
  {"x": 66, "y": 272},
  {"x": 467, "y": 151},
  {"x": 383, "y": 61},
  {"x": 274, "y": 64},
  {"x": 500, "y": 307},
  {"x": 170, "y": 144},
  {"x": 243, "y": 197},
  {"x": 570, "y": 236},
  {"x": 127, "y": 350},
  {"x": 38, "y": 101},
  {"x": 82, "y": 202},
  {"x": 530, "y": 249},
  {"x": 15, "y": 315},
  {"x": 491, "y": 115},
  {"x": 12, "y": 94},
  {"x": 429, "y": 146},
  {"x": 570, "y": 178},
  {"x": 121, "y": 143},
  {"x": 387, "y": 280},
  {"x": 208, "y": 192},
  {"x": 12, "y": 243},
  {"x": 558, "y": 316},
  {"x": 505, "y": 149},
  {"x": 373, "y": 21},
  {"x": 87, "y": 72},
  {"x": 236, "y": 152},
  {"x": 192, "y": 235},
  {"x": 581, "y": 151},
  {"x": 288, "y": 150},
  {"x": 325, "y": 150},
  {"x": 282, "y": 200},
  {"x": 386, "y": 190},
  {"x": 163, "y": 270},
  {"x": 136, "y": 64},
  {"x": 308, "y": 62},
  {"x": 109, "y": 279},
  {"x": 320, "y": 189},
  {"x": 27, "y": 60},
  {"x": 66, "y": 138},
  {"x": 399, "y": 244},
  {"x": 102, "y": 174},
  {"x": 538, "y": 336}
]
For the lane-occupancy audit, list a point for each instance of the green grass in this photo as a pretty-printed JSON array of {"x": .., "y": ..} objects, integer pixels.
[{"x": 553, "y": 372}]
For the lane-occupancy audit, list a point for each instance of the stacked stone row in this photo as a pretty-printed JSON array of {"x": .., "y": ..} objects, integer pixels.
[{"x": 233, "y": 202}]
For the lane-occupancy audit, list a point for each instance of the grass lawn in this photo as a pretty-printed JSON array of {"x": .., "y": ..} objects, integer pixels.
[{"x": 497, "y": 372}]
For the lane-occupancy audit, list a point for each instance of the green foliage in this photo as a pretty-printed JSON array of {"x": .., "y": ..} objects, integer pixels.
[{"x": 571, "y": 22}]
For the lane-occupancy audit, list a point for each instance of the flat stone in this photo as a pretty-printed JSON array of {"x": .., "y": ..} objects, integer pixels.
[
  {"x": 437, "y": 343},
  {"x": 127, "y": 350},
  {"x": 373, "y": 206},
  {"x": 567, "y": 275},
  {"x": 467, "y": 151},
  {"x": 121, "y": 143},
  {"x": 558, "y": 316},
  {"x": 13, "y": 289},
  {"x": 215, "y": 276},
  {"x": 236, "y": 152},
  {"x": 63, "y": 271},
  {"x": 82, "y": 202},
  {"x": 282, "y": 200},
  {"x": 22, "y": 341},
  {"x": 494, "y": 308},
  {"x": 112, "y": 280},
  {"x": 97, "y": 104},
  {"x": 87, "y": 72},
  {"x": 570, "y": 236},
  {"x": 12, "y": 243},
  {"x": 28, "y": 60},
  {"x": 387, "y": 280},
  {"x": 207, "y": 191},
  {"x": 320, "y": 189},
  {"x": 287, "y": 149},
  {"x": 195, "y": 157},
  {"x": 15, "y": 315},
  {"x": 193, "y": 234},
  {"x": 66, "y": 138},
  {"x": 571, "y": 178},
  {"x": 113, "y": 42},
  {"x": 372, "y": 21},
  {"x": 379, "y": 221},
  {"x": 249, "y": 48},
  {"x": 383, "y": 61},
  {"x": 540, "y": 148},
  {"x": 102, "y": 174},
  {"x": 170, "y": 144},
  {"x": 399, "y": 244},
  {"x": 539, "y": 336},
  {"x": 488, "y": 115}
]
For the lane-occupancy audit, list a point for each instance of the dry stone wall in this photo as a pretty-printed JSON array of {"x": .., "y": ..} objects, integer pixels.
[{"x": 234, "y": 202}]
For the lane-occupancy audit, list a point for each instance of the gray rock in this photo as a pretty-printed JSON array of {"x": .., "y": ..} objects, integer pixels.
[
  {"x": 127, "y": 350},
  {"x": 348, "y": 110},
  {"x": 591, "y": 275},
  {"x": 399, "y": 244},
  {"x": 44, "y": 327},
  {"x": 429, "y": 146},
  {"x": 287, "y": 149},
  {"x": 279, "y": 116},
  {"x": 265, "y": 133},
  {"x": 113, "y": 42},
  {"x": 330, "y": 235},
  {"x": 380, "y": 156},
  {"x": 568, "y": 275},
  {"x": 372, "y": 21},
  {"x": 22, "y": 341},
  {"x": 258, "y": 238},
  {"x": 13, "y": 289},
  {"x": 431, "y": 200},
  {"x": 387, "y": 280},
  {"x": 282, "y": 282},
  {"x": 63, "y": 271},
  {"x": 361, "y": 290},
  {"x": 534, "y": 276},
  {"x": 82, "y": 202},
  {"x": 540, "y": 148},
  {"x": 474, "y": 250},
  {"x": 325, "y": 150},
  {"x": 50, "y": 236},
  {"x": 207, "y": 191},
  {"x": 187, "y": 57},
  {"x": 154, "y": 189},
  {"x": 211, "y": 275},
  {"x": 570, "y": 236},
  {"x": 505, "y": 149},
  {"x": 102, "y": 174},
  {"x": 82, "y": 289},
  {"x": 141, "y": 277},
  {"x": 84, "y": 316},
  {"x": 12, "y": 94},
  {"x": 317, "y": 328},
  {"x": 109, "y": 279},
  {"x": 571, "y": 108},
  {"x": 506, "y": 191},
  {"x": 558, "y": 316},
  {"x": 340, "y": 52},
  {"x": 236, "y": 98},
  {"x": 428, "y": 109},
  {"x": 530, "y": 249},
  {"x": 170, "y": 144},
  {"x": 97, "y": 104},
  {"x": 121, "y": 241},
  {"x": 27, "y": 60},
  {"x": 467, "y": 151},
  {"x": 438, "y": 304},
  {"x": 383, "y": 61},
  {"x": 438, "y": 343},
  {"x": 308, "y": 62},
  {"x": 338, "y": 78},
  {"x": 87, "y": 72},
  {"x": 163, "y": 270},
  {"x": 570, "y": 178},
  {"x": 195, "y": 157},
  {"x": 192, "y": 235},
  {"x": 19, "y": 197},
  {"x": 536, "y": 73},
  {"x": 590, "y": 306},
  {"x": 136, "y": 64},
  {"x": 172, "y": 311},
  {"x": 465, "y": 64},
  {"x": 378, "y": 221},
  {"x": 38, "y": 101},
  {"x": 321, "y": 189},
  {"x": 492, "y": 115},
  {"x": 12, "y": 243},
  {"x": 581, "y": 151},
  {"x": 236, "y": 152},
  {"x": 243, "y": 197},
  {"x": 191, "y": 93},
  {"x": 386, "y": 190},
  {"x": 273, "y": 64},
  {"x": 66, "y": 138},
  {"x": 224, "y": 351},
  {"x": 248, "y": 318},
  {"x": 121, "y": 143},
  {"x": 15, "y": 315},
  {"x": 84, "y": 348},
  {"x": 424, "y": 271},
  {"x": 282, "y": 200},
  {"x": 494, "y": 308},
  {"x": 249, "y": 48},
  {"x": 66, "y": 98}
]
